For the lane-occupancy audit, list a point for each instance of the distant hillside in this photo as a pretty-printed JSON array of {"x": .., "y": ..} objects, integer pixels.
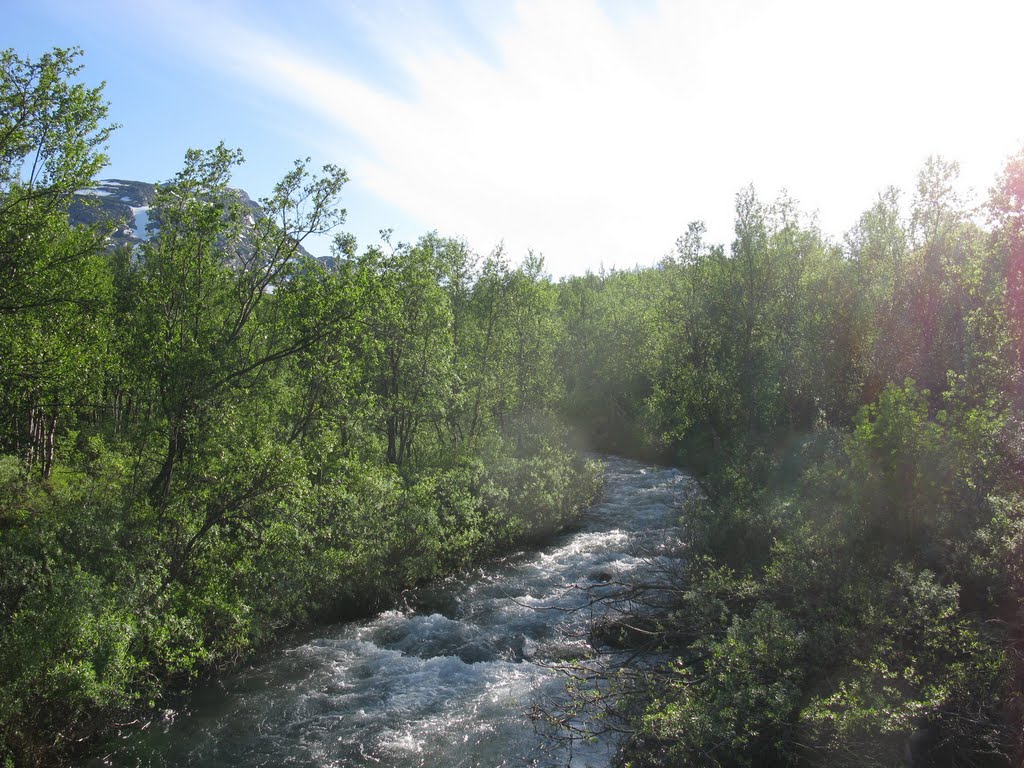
[{"x": 126, "y": 205}]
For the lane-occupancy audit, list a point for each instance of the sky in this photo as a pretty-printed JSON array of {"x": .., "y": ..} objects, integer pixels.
[{"x": 589, "y": 131}]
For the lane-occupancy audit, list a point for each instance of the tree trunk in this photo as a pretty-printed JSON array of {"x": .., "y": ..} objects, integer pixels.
[
  {"x": 160, "y": 488},
  {"x": 49, "y": 445}
]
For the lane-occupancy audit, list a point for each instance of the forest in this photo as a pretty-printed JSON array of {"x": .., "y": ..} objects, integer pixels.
[{"x": 211, "y": 438}]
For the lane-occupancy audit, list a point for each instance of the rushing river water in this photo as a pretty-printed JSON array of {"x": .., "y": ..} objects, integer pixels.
[{"x": 446, "y": 682}]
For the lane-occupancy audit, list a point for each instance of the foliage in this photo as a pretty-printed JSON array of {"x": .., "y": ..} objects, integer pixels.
[
  {"x": 213, "y": 436},
  {"x": 52, "y": 280},
  {"x": 853, "y": 571}
]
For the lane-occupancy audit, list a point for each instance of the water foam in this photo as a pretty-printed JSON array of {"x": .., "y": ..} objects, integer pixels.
[{"x": 447, "y": 682}]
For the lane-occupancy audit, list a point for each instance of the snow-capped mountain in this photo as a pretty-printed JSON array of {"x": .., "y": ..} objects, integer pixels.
[
  {"x": 125, "y": 206},
  {"x": 120, "y": 203}
]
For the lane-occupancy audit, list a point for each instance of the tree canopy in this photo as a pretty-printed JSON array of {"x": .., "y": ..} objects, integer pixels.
[{"x": 211, "y": 436}]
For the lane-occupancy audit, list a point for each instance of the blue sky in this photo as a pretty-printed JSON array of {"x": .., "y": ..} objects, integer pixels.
[{"x": 591, "y": 131}]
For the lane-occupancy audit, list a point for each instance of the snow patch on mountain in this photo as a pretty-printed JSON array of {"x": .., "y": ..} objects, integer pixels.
[{"x": 140, "y": 217}]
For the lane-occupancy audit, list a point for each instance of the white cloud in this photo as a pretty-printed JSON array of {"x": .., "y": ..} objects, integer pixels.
[{"x": 596, "y": 141}]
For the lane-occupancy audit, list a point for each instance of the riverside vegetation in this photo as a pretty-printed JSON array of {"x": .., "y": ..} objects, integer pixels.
[
  {"x": 851, "y": 595},
  {"x": 212, "y": 437}
]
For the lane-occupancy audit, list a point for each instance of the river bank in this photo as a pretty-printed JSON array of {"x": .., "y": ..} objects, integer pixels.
[{"x": 447, "y": 679}]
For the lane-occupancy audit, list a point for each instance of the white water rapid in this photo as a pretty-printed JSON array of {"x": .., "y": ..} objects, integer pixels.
[{"x": 448, "y": 681}]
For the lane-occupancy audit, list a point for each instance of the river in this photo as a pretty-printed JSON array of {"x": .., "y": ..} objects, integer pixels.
[{"x": 448, "y": 680}]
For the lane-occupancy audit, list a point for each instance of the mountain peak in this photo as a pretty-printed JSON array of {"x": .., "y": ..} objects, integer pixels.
[{"x": 125, "y": 205}]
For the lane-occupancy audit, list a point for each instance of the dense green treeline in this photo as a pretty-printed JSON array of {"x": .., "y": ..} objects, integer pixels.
[
  {"x": 210, "y": 437},
  {"x": 853, "y": 576}
]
